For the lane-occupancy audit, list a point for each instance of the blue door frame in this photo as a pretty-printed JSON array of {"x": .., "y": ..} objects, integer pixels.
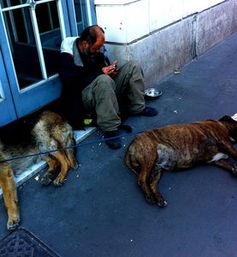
[
  {"x": 8, "y": 112},
  {"x": 18, "y": 103}
]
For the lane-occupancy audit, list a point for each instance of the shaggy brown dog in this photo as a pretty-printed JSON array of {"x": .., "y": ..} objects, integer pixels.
[
  {"x": 46, "y": 133},
  {"x": 180, "y": 146}
]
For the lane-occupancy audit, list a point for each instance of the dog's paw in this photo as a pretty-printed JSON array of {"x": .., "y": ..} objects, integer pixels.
[
  {"x": 234, "y": 174},
  {"x": 46, "y": 180},
  {"x": 12, "y": 224},
  {"x": 162, "y": 203},
  {"x": 58, "y": 182},
  {"x": 234, "y": 171},
  {"x": 151, "y": 199},
  {"x": 75, "y": 165}
]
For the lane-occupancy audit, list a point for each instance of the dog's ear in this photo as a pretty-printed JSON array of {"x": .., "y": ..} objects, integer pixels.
[{"x": 226, "y": 118}]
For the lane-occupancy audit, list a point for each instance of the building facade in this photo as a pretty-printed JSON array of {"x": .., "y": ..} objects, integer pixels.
[{"x": 162, "y": 35}]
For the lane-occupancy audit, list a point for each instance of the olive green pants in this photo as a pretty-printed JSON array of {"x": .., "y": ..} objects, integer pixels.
[{"x": 104, "y": 94}]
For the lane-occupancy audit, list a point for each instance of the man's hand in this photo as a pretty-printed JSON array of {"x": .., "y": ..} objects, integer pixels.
[{"x": 110, "y": 70}]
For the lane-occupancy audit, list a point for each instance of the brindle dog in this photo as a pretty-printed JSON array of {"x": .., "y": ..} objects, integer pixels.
[
  {"x": 180, "y": 146},
  {"x": 47, "y": 132}
]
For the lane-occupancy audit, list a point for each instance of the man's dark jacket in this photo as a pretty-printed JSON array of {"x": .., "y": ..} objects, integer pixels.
[{"x": 77, "y": 71}]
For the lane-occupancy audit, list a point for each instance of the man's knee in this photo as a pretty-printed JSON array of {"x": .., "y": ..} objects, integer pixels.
[
  {"x": 134, "y": 66},
  {"x": 104, "y": 81},
  {"x": 104, "y": 86}
]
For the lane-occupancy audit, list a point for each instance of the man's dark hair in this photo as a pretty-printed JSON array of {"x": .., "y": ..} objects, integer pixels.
[{"x": 90, "y": 34}]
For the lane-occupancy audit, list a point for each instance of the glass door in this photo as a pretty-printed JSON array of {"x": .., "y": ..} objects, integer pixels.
[
  {"x": 34, "y": 35},
  {"x": 31, "y": 32}
]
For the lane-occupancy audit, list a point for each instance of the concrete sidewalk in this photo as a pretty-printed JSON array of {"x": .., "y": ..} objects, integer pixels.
[{"x": 101, "y": 212}]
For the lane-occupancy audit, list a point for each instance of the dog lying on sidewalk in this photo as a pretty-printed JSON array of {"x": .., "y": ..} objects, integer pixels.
[
  {"x": 180, "y": 146},
  {"x": 46, "y": 132}
]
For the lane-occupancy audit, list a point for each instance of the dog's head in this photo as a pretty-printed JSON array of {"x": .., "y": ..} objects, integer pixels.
[{"x": 230, "y": 122}]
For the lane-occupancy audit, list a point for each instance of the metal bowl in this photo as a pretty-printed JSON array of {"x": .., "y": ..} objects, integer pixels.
[{"x": 152, "y": 93}]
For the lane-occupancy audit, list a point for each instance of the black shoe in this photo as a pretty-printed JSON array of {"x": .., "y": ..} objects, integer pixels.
[
  {"x": 148, "y": 112},
  {"x": 112, "y": 139}
]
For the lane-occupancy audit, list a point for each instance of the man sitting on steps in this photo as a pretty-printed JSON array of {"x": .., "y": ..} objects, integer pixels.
[{"x": 92, "y": 85}]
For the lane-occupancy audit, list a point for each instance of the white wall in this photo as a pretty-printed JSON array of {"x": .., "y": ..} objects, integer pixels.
[
  {"x": 164, "y": 35},
  {"x": 128, "y": 20}
]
